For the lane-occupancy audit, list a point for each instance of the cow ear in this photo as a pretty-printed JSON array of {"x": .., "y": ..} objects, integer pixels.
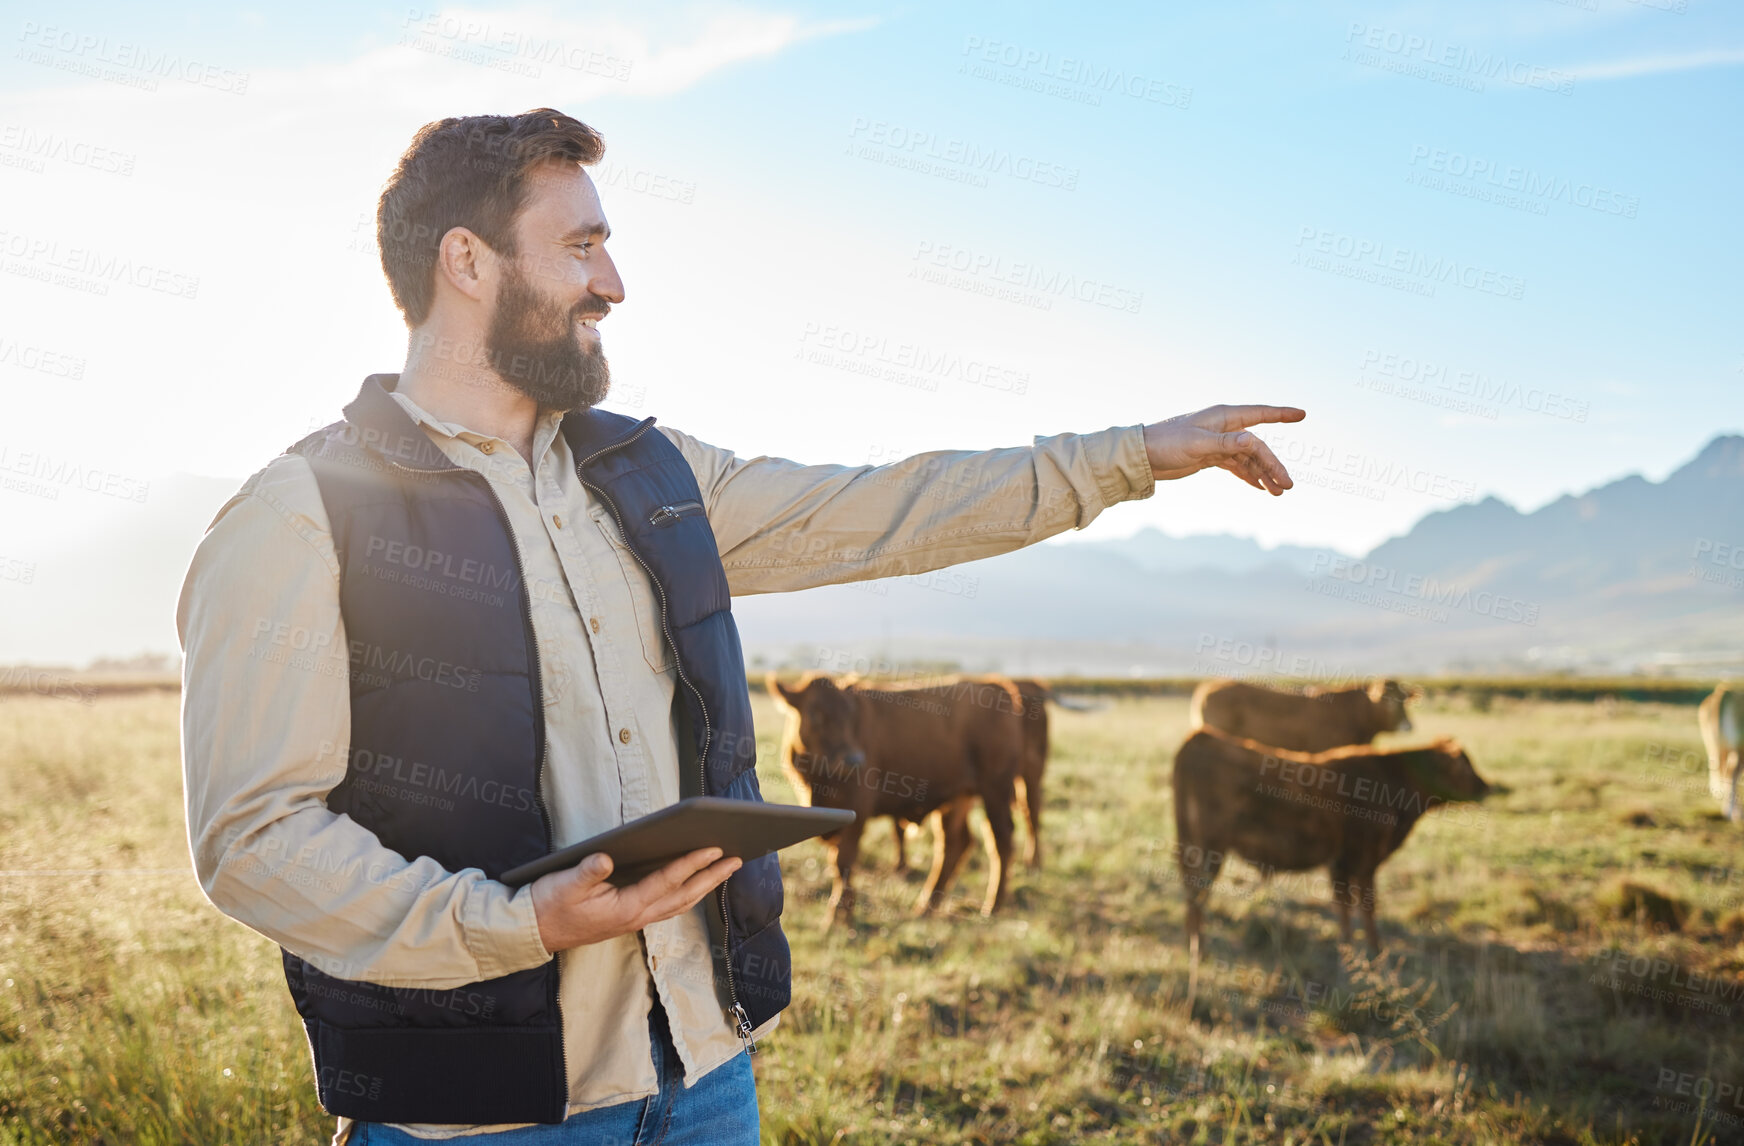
[
  {"x": 1378, "y": 690},
  {"x": 781, "y": 693}
]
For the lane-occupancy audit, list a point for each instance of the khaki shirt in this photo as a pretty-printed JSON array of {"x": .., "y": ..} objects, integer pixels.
[{"x": 266, "y": 706}]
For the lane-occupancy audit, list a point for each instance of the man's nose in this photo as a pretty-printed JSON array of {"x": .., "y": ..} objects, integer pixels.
[{"x": 606, "y": 282}]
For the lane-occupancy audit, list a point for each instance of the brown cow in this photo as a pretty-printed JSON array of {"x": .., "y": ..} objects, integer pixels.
[
  {"x": 906, "y": 753},
  {"x": 1312, "y": 721},
  {"x": 1035, "y": 695},
  {"x": 1349, "y": 808},
  {"x": 1721, "y": 717}
]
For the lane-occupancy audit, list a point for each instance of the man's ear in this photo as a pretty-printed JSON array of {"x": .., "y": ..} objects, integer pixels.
[{"x": 462, "y": 260}]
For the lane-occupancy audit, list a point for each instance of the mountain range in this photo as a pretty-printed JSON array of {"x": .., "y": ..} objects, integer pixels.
[{"x": 1630, "y": 576}]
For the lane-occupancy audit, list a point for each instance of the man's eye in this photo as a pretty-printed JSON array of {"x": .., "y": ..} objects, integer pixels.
[{"x": 582, "y": 246}]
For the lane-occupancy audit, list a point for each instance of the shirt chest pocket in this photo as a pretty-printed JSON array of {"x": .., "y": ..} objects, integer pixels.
[{"x": 644, "y": 598}]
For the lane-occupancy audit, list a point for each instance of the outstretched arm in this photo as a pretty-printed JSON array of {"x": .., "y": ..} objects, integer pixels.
[{"x": 782, "y": 526}]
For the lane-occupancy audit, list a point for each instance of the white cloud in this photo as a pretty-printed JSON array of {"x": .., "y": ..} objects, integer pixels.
[
  {"x": 1657, "y": 64},
  {"x": 526, "y": 53}
]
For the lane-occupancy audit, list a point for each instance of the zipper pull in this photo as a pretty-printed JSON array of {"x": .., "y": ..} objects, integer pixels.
[
  {"x": 668, "y": 513},
  {"x": 744, "y": 1028}
]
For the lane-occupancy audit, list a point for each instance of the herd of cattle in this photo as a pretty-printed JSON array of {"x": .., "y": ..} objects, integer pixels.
[{"x": 1288, "y": 781}]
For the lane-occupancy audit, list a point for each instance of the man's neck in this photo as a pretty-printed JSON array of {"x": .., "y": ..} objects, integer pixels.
[{"x": 461, "y": 388}]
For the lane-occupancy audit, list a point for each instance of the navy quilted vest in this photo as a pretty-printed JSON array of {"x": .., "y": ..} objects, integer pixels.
[{"x": 448, "y": 742}]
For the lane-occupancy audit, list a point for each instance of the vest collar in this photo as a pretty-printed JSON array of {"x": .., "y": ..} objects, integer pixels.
[
  {"x": 386, "y": 428},
  {"x": 383, "y": 425},
  {"x": 592, "y": 431}
]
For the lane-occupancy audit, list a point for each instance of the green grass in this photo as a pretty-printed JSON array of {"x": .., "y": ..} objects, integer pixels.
[{"x": 1559, "y": 965}]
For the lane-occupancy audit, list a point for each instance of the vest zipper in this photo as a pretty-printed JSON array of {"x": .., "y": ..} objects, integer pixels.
[
  {"x": 741, "y": 1020},
  {"x": 668, "y": 513},
  {"x": 539, "y": 713}
]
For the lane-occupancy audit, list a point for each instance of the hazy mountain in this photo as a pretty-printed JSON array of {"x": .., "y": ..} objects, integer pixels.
[
  {"x": 1633, "y": 574},
  {"x": 1630, "y": 574},
  {"x": 1156, "y": 552}
]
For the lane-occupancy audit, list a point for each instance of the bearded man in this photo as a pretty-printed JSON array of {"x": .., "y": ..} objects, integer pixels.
[{"x": 480, "y": 618}]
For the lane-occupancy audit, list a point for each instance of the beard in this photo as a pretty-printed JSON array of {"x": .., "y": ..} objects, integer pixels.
[{"x": 532, "y": 346}]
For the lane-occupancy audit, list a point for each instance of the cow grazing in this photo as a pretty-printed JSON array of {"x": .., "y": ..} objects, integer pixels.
[
  {"x": 1349, "y": 808},
  {"x": 907, "y": 752},
  {"x": 1312, "y": 721},
  {"x": 1721, "y": 717},
  {"x": 1035, "y": 696}
]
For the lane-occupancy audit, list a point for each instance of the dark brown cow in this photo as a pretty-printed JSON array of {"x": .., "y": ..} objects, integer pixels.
[
  {"x": 1311, "y": 721},
  {"x": 1035, "y": 695},
  {"x": 906, "y": 753},
  {"x": 1349, "y": 808}
]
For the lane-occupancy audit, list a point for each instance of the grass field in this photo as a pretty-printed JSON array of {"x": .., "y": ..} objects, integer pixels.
[{"x": 1565, "y": 962}]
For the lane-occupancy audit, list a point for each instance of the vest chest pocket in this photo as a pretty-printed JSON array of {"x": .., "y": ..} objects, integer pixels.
[{"x": 644, "y": 599}]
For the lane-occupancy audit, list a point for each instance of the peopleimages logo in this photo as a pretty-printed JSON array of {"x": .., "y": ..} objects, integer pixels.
[
  {"x": 900, "y": 139},
  {"x": 1478, "y": 169},
  {"x": 1419, "y": 587},
  {"x": 1427, "y": 57},
  {"x": 1415, "y": 266}
]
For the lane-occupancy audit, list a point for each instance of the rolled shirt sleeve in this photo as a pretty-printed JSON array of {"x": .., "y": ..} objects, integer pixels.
[
  {"x": 266, "y": 722},
  {"x": 783, "y": 526}
]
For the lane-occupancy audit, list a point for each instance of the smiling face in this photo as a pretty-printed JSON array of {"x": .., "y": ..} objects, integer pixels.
[{"x": 543, "y": 337}]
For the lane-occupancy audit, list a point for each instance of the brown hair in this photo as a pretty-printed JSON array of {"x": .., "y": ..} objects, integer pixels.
[{"x": 466, "y": 171}]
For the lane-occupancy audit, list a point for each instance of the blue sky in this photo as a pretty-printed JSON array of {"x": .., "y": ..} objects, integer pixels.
[{"x": 1492, "y": 248}]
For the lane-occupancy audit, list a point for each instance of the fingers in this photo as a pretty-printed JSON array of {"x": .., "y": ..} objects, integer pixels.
[
  {"x": 1253, "y": 461},
  {"x": 1241, "y": 417},
  {"x": 670, "y": 878},
  {"x": 688, "y": 894}
]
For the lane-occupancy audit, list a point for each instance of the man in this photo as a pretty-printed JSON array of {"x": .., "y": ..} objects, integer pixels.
[{"x": 479, "y": 619}]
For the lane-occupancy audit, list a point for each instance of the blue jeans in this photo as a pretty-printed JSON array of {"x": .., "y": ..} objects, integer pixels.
[{"x": 720, "y": 1110}]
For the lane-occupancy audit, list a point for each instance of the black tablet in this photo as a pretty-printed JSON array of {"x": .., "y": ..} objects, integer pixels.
[{"x": 742, "y": 828}]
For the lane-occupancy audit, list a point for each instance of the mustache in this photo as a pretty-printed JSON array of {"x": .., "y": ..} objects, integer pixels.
[{"x": 593, "y": 307}]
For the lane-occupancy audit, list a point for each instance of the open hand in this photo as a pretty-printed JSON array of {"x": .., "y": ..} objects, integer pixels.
[
  {"x": 577, "y": 905},
  {"x": 1217, "y": 436}
]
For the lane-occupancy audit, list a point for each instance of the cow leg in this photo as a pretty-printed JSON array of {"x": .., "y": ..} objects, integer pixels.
[
  {"x": 1734, "y": 811},
  {"x": 1031, "y": 786},
  {"x": 901, "y": 827},
  {"x": 950, "y": 845},
  {"x": 843, "y": 854},
  {"x": 1363, "y": 891},
  {"x": 1343, "y": 890},
  {"x": 996, "y": 838},
  {"x": 1196, "y": 879}
]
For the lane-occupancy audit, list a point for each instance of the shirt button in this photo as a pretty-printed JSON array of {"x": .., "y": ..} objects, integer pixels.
[
  {"x": 593, "y": 623},
  {"x": 557, "y": 520},
  {"x": 487, "y": 447},
  {"x": 654, "y": 962},
  {"x": 624, "y": 735}
]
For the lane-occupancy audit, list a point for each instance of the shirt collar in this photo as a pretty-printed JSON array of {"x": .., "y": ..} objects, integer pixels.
[{"x": 544, "y": 430}]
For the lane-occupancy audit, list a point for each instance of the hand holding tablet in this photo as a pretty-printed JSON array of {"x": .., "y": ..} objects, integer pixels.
[{"x": 658, "y": 866}]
